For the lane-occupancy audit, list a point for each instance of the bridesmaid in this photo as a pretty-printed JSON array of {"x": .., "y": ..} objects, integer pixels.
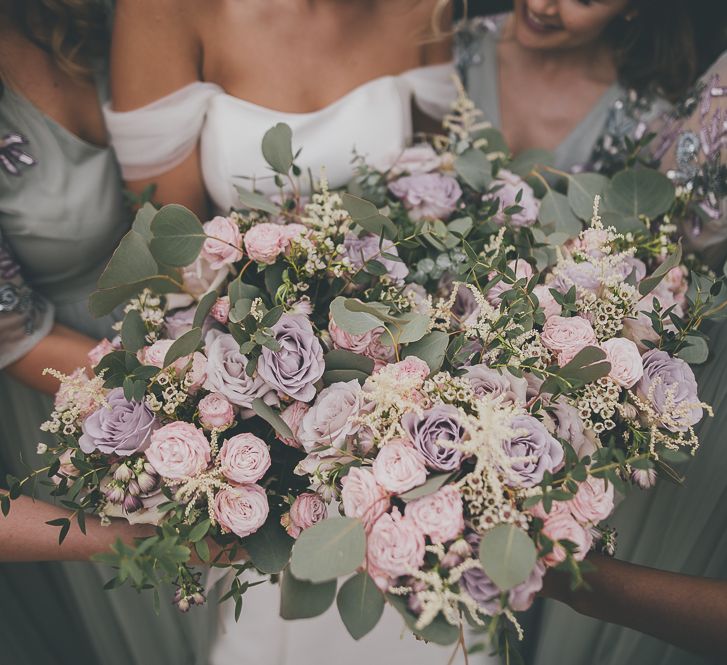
[
  {"x": 674, "y": 528},
  {"x": 61, "y": 215},
  {"x": 616, "y": 62}
]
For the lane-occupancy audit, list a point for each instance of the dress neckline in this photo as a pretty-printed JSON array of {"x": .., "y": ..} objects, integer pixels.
[{"x": 445, "y": 66}]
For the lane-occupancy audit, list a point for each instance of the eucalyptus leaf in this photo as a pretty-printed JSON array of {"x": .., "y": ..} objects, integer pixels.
[
  {"x": 588, "y": 365},
  {"x": 556, "y": 215},
  {"x": 344, "y": 376},
  {"x": 695, "y": 352},
  {"x": 526, "y": 161},
  {"x": 622, "y": 223},
  {"x": 582, "y": 191},
  {"x": 183, "y": 346},
  {"x": 431, "y": 348},
  {"x": 300, "y": 599},
  {"x": 360, "y": 604},
  {"x": 431, "y": 485},
  {"x": 256, "y": 201},
  {"x": 131, "y": 262},
  {"x": 203, "y": 308},
  {"x": 414, "y": 329},
  {"x": 277, "y": 148},
  {"x": 507, "y": 555},
  {"x": 635, "y": 192},
  {"x": 354, "y": 323},
  {"x": 271, "y": 417},
  {"x": 105, "y": 300},
  {"x": 133, "y": 331},
  {"x": 178, "y": 236},
  {"x": 269, "y": 547},
  {"x": 474, "y": 168},
  {"x": 368, "y": 217},
  {"x": 333, "y": 547},
  {"x": 648, "y": 284},
  {"x": 142, "y": 221},
  {"x": 341, "y": 359}
]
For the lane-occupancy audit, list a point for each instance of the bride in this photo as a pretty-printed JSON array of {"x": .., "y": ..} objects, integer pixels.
[{"x": 195, "y": 85}]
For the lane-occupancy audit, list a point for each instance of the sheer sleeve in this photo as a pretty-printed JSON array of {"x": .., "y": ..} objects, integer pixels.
[
  {"x": 25, "y": 317},
  {"x": 690, "y": 143},
  {"x": 153, "y": 139},
  {"x": 433, "y": 88}
]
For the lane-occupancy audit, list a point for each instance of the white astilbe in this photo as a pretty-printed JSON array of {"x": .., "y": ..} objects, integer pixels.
[
  {"x": 325, "y": 212},
  {"x": 77, "y": 397}
]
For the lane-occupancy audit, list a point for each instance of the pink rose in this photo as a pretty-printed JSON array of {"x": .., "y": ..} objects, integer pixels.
[
  {"x": 566, "y": 336},
  {"x": 563, "y": 527},
  {"x": 593, "y": 502},
  {"x": 395, "y": 546},
  {"x": 369, "y": 344},
  {"x": 417, "y": 159},
  {"x": 241, "y": 509},
  {"x": 556, "y": 508},
  {"x": 362, "y": 497},
  {"x": 522, "y": 270},
  {"x": 398, "y": 467},
  {"x": 221, "y": 310},
  {"x": 508, "y": 187},
  {"x": 154, "y": 355},
  {"x": 292, "y": 417},
  {"x": 546, "y": 300},
  {"x": 215, "y": 412},
  {"x": 244, "y": 458},
  {"x": 411, "y": 368},
  {"x": 438, "y": 515},
  {"x": 195, "y": 368},
  {"x": 103, "y": 348},
  {"x": 198, "y": 279},
  {"x": 307, "y": 510},
  {"x": 265, "y": 242},
  {"x": 223, "y": 245},
  {"x": 292, "y": 232},
  {"x": 178, "y": 450},
  {"x": 626, "y": 364}
]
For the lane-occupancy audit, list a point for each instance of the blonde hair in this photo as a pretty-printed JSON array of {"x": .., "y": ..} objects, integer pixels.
[{"x": 73, "y": 32}]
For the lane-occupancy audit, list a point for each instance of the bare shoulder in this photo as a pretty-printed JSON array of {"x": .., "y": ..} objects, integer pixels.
[{"x": 155, "y": 50}]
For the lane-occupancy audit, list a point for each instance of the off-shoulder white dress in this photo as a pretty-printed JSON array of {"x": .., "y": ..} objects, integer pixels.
[{"x": 374, "y": 119}]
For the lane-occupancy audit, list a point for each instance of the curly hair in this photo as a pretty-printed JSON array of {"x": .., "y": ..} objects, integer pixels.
[{"x": 73, "y": 32}]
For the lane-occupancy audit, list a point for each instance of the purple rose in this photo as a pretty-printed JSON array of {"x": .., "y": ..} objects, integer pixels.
[
  {"x": 121, "y": 428},
  {"x": 365, "y": 248},
  {"x": 669, "y": 386},
  {"x": 440, "y": 423},
  {"x": 226, "y": 374},
  {"x": 465, "y": 306},
  {"x": 294, "y": 369},
  {"x": 569, "y": 426},
  {"x": 521, "y": 597},
  {"x": 582, "y": 275},
  {"x": 428, "y": 194},
  {"x": 478, "y": 585},
  {"x": 495, "y": 382},
  {"x": 533, "y": 452}
]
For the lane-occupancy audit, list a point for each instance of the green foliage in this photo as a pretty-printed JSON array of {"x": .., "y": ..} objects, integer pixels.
[
  {"x": 178, "y": 236},
  {"x": 507, "y": 555},
  {"x": 360, "y": 604},
  {"x": 636, "y": 192},
  {"x": 269, "y": 547},
  {"x": 277, "y": 148},
  {"x": 300, "y": 599}
]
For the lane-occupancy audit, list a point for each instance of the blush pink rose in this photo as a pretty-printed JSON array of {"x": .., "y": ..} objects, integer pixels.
[
  {"x": 362, "y": 497},
  {"x": 223, "y": 245},
  {"x": 215, "y": 412},
  {"x": 265, "y": 242},
  {"x": 410, "y": 368},
  {"x": 178, "y": 450},
  {"x": 547, "y": 302},
  {"x": 221, "y": 310},
  {"x": 564, "y": 527},
  {"x": 395, "y": 545},
  {"x": 195, "y": 364},
  {"x": 368, "y": 344},
  {"x": 198, "y": 279},
  {"x": 627, "y": 367},
  {"x": 438, "y": 515},
  {"x": 292, "y": 417},
  {"x": 244, "y": 458},
  {"x": 241, "y": 509},
  {"x": 522, "y": 270},
  {"x": 154, "y": 355},
  {"x": 593, "y": 502},
  {"x": 556, "y": 508},
  {"x": 398, "y": 467},
  {"x": 103, "y": 348},
  {"x": 308, "y": 509},
  {"x": 566, "y": 336}
]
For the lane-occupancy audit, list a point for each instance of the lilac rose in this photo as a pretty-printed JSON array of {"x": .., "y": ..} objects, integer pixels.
[
  {"x": 294, "y": 369},
  {"x": 584, "y": 275},
  {"x": 532, "y": 450},
  {"x": 226, "y": 374},
  {"x": 432, "y": 195},
  {"x": 361, "y": 249},
  {"x": 333, "y": 417},
  {"x": 495, "y": 382},
  {"x": 669, "y": 385},
  {"x": 120, "y": 428},
  {"x": 435, "y": 425}
]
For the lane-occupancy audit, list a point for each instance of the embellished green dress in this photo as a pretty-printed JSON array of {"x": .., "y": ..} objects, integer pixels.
[{"x": 61, "y": 216}]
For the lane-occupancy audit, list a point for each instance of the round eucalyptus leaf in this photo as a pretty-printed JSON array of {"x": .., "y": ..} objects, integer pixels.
[
  {"x": 507, "y": 555},
  {"x": 360, "y": 604},
  {"x": 300, "y": 599},
  {"x": 178, "y": 236},
  {"x": 556, "y": 215},
  {"x": 432, "y": 349},
  {"x": 277, "y": 148},
  {"x": 635, "y": 192},
  {"x": 582, "y": 191}
]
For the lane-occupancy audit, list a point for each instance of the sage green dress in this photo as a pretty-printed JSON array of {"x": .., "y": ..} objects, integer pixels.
[{"x": 61, "y": 216}]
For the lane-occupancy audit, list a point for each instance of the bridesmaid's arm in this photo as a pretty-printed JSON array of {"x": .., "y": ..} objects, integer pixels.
[
  {"x": 689, "y": 612},
  {"x": 155, "y": 51},
  {"x": 62, "y": 349},
  {"x": 24, "y": 536}
]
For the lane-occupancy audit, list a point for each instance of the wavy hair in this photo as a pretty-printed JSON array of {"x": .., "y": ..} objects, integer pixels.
[{"x": 74, "y": 32}]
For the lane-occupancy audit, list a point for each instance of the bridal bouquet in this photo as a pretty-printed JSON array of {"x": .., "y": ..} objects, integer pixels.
[{"x": 432, "y": 382}]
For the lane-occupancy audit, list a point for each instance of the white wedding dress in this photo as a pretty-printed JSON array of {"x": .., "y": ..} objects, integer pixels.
[{"x": 375, "y": 119}]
